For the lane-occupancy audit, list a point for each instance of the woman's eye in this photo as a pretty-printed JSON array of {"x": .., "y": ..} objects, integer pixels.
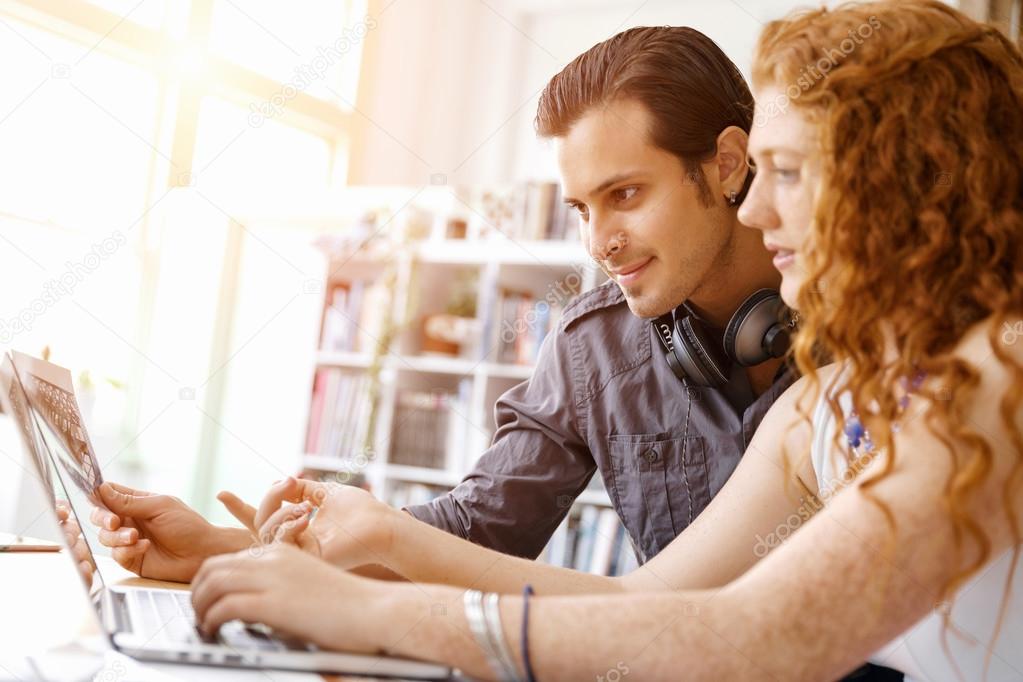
[
  {"x": 786, "y": 174},
  {"x": 624, "y": 194}
]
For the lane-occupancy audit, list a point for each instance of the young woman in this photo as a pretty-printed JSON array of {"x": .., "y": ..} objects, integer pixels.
[{"x": 888, "y": 148}]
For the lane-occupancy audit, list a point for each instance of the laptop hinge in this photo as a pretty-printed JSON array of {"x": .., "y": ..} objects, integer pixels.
[{"x": 112, "y": 611}]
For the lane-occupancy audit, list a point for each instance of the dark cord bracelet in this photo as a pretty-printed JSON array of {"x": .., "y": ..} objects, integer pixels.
[{"x": 527, "y": 666}]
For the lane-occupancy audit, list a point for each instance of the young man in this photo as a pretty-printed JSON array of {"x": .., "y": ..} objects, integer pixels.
[{"x": 650, "y": 130}]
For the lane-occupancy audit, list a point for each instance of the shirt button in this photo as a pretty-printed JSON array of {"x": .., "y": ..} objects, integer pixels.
[{"x": 650, "y": 456}]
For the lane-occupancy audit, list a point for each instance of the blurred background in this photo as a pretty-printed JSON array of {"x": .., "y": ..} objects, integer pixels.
[{"x": 316, "y": 236}]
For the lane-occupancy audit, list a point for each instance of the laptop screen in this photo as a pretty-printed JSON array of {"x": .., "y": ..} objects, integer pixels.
[{"x": 40, "y": 398}]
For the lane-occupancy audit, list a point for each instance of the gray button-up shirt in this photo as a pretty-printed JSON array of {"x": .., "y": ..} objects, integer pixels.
[{"x": 602, "y": 398}]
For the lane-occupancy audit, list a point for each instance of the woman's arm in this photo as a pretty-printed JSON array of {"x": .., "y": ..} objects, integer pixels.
[
  {"x": 731, "y": 534},
  {"x": 839, "y": 589}
]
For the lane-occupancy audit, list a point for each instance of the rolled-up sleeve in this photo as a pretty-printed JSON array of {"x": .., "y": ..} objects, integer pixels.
[{"x": 524, "y": 484}]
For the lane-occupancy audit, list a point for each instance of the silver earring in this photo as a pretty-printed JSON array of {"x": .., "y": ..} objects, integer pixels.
[{"x": 733, "y": 198}]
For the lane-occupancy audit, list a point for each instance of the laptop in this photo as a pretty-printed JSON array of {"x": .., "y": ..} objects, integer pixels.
[{"x": 148, "y": 624}]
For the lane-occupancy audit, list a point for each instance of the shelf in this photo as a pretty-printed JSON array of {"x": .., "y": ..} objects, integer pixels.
[
  {"x": 411, "y": 474},
  {"x": 427, "y": 364},
  {"x": 332, "y": 358},
  {"x": 503, "y": 251},
  {"x": 400, "y": 472},
  {"x": 432, "y": 364},
  {"x": 507, "y": 371},
  {"x": 331, "y": 463},
  {"x": 594, "y": 497}
]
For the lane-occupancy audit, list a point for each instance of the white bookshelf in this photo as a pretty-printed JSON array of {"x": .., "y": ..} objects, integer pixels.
[
  {"x": 498, "y": 263},
  {"x": 439, "y": 408}
]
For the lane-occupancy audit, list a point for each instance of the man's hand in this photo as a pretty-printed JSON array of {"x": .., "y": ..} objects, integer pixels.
[
  {"x": 350, "y": 528},
  {"x": 76, "y": 543},
  {"x": 159, "y": 536}
]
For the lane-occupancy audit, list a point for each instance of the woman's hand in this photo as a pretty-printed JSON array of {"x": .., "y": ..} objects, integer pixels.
[
  {"x": 294, "y": 593},
  {"x": 350, "y": 528},
  {"x": 75, "y": 542}
]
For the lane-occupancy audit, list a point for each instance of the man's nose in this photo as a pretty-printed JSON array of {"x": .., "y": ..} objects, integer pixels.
[{"x": 606, "y": 241}]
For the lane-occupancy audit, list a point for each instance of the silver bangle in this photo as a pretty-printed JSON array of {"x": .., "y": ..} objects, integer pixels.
[
  {"x": 492, "y": 612},
  {"x": 479, "y": 626}
]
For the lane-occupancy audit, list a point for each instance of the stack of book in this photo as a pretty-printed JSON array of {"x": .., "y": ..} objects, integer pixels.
[
  {"x": 339, "y": 413},
  {"x": 430, "y": 428},
  {"x": 524, "y": 323},
  {"x": 529, "y": 211},
  {"x": 353, "y": 316},
  {"x": 591, "y": 539}
]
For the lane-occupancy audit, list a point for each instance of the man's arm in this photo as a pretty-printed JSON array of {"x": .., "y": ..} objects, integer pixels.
[
  {"x": 718, "y": 547},
  {"x": 524, "y": 484}
]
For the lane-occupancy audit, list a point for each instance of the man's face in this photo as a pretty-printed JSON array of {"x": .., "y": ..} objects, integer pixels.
[
  {"x": 642, "y": 219},
  {"x": 780, "y": 201}
]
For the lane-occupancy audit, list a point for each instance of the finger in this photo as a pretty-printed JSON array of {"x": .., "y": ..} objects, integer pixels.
[
  {"x": 228, "y": 578},
  {"x": 275, "y": 497},
  {"x": 104, "y": 518},
  {"x": 71, "y": 528},
  {"x": 245, "y": 513},
  {"x": 244, "y": 606},
  {"x": 62, "y": 512},
  {"x": 291, "y": 530},
  {"x": 216, "y": 563},
  {"x": 85, "y": 569},
  {"x": 131, "y": 557},
  {"x": 118, "y": 538},
  {"x": 80, "y": 551},
  {"x": 144, "y": 505},
  {"x": 125, "y": 490},
  {"x": 281, "y": 524}
]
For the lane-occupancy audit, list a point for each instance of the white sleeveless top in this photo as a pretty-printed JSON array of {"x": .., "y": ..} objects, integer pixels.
[{"x": 918, "y": 652}]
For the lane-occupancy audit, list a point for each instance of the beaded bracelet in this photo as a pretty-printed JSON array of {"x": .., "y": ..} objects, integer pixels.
[{"x": 527, "y": 666}]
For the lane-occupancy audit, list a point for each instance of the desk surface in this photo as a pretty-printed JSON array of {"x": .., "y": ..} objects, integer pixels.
[{"x": 44, "y": 608}]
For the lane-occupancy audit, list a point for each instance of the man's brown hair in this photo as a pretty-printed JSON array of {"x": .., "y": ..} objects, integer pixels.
[{"x": 692, "y": 90}]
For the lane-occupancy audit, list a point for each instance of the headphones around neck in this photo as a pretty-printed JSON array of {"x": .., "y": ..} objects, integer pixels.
[{"x": 756, "y": 332}]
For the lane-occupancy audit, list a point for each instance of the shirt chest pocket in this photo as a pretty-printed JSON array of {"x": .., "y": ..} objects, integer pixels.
[{"x": 660, "y": 485}]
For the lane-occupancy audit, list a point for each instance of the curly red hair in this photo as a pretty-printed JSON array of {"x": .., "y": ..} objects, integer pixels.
[{"x": 918, "y": 221}]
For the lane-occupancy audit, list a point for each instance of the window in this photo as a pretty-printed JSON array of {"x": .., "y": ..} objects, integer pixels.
[{"x": 142, "y": 130}]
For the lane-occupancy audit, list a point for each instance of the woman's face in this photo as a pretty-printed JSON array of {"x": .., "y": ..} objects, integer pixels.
[{"x": 780, "y": 203}]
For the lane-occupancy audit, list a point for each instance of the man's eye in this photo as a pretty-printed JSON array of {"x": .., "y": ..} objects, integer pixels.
[
  {"x": 581, "y": 208},
  {"x": 624, "y": 194}
]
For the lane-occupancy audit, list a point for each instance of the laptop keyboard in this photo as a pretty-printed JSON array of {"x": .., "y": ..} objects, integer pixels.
[{"x": 167, "y": 616}]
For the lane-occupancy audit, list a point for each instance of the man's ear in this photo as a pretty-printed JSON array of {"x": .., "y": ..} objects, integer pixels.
[{"x": 731, "y": 159}]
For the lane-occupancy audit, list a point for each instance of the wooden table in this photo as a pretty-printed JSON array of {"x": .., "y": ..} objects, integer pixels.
[{"x": 45, "y": 612}]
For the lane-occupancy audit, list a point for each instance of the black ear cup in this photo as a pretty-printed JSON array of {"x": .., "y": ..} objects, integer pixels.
[
  {"x": 697, "y": 355},
  {"x": 756, "y": 332}
]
